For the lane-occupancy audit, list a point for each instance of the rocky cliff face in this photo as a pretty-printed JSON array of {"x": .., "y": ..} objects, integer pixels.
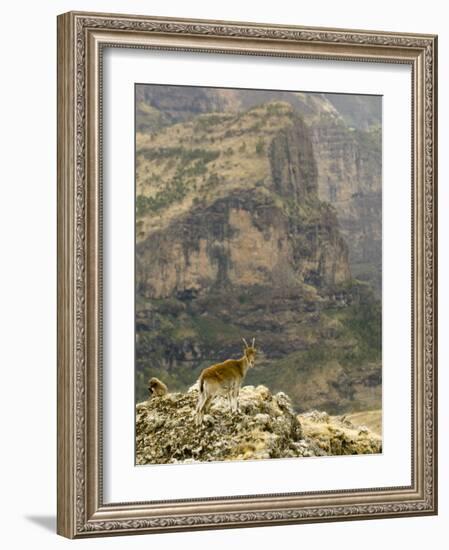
[
  {"x": 236, "y": 243},
  {"x": 266, "y": 427},
  {"x": 267, "y": 229},
  {"x": 160, "y": 106},
  {"x": 347, "y": 142},
  {"x": 233, "y": 239},
  {"x": 349, "y": 178}
]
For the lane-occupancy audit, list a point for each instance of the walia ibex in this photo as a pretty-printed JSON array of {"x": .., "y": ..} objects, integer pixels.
[{"x": 224, "y": 379}]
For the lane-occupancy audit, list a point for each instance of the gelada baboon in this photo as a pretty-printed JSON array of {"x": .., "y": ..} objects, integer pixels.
[{"x": 156, "y": 388}]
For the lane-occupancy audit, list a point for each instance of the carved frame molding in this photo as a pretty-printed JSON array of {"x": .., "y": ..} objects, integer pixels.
[{"x": 81, "y": 39}]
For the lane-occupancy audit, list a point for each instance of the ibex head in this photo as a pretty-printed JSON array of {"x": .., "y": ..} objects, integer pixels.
[{"x": 250, "y": 352}]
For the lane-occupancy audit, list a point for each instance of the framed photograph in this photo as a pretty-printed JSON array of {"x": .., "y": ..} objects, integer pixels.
[{"x": 246, "y": 274}]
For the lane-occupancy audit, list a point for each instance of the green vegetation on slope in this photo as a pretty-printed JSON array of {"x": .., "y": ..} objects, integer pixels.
[
  {"x": 337, "y": 369},
  {"x": 319, "y": 341}
]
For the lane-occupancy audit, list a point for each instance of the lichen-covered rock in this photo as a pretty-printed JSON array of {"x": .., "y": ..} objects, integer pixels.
[
  {"x": 338, "y": 436},
  {"x": 265, "y": 427}
]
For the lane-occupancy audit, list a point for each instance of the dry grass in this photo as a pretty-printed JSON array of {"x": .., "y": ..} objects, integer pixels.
[
  {"x": 338, "y": 436},
  {"x": 370, "y": 419}
]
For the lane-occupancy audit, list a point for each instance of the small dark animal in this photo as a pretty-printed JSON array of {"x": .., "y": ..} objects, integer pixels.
[{"x": 156, "y": 388}]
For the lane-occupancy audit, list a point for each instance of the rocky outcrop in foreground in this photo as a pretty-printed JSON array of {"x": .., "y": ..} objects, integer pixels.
[
  {"x": 338, "y": 435},
  {"x": 265, "y": 427}
]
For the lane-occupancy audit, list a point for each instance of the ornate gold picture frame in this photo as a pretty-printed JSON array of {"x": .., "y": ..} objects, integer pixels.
[{"x": 82, "y": 40}]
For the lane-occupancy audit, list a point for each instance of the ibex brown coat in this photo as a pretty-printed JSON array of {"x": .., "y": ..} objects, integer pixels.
[{"x": 224, "y": 379}]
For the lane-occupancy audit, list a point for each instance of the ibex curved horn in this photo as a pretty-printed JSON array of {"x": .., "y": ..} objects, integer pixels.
[
  {"x": 245, "y": 342},
  {"x": 254, "y": 341}
]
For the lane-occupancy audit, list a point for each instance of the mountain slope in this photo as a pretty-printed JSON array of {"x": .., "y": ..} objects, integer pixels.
[
  {"x": 346, "y": 135},
  {"x": 233, "y": 240}
]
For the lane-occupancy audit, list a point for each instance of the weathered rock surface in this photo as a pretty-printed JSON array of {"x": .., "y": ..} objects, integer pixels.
[
  {"x": 339, "y": 436},
  {"x": 235, "y": 219},
  {"x": 347, "y": 142},
  {"x": 370, "y": 419},
  {"x": 266, "y": 427}
]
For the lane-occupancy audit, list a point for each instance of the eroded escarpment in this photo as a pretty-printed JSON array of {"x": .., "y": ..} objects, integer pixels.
[{"x": 234, "y": 239}]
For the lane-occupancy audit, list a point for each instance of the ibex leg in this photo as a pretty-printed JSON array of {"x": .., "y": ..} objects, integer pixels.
[
  {"x": 202, "y": 406},
  {"x": 235, "y": 399}
]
